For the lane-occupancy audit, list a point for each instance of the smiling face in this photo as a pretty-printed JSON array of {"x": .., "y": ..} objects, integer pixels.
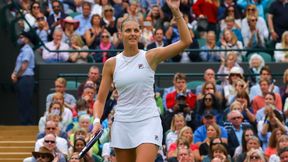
[{"x": 130, "y": 33}]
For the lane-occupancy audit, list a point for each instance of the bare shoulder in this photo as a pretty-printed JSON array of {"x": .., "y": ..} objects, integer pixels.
[{"x": 109, "y": 65}]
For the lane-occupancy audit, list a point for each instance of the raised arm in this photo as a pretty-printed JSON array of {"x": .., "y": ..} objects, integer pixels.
[
  {"x": 106, "y": 81},
  {"x": 157, "y": 55}
]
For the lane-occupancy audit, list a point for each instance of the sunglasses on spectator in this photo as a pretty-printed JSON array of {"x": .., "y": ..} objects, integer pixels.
[
  {"x": 40, "y": 18},
  {"x": 208, "y": 99},
  {"x": 251, "y": 9},
  {"x": 105, "y": 36},
  {"x": 36, "y": 7},
  {"x": 42, "y": 156},
  {"x": 254, "y": 157},
  {"x": 241, "y": 85},
  {"x": 237, "y": 117},
  {"x": 50, "y": 128},
  {"x": 49, "y": 141},
  {"x": 235, "y": 74}
]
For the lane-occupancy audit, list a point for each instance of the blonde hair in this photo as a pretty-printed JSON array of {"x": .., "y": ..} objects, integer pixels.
[
  {"x": 253, "y": 151},
  {"x": 283, "y": 43},
  {"x": 217, "y": 129},
  {"x": 285, "y": 75},
  {"x": 234, "y": 104},
  {"x": 234, "y": 38},
  {"x": 78, "y": 40},
  {"x": 185, "y": 128},
  {"x": 61, "y": 80},
  {"x": 176, "y": 116},
  {"x": 254, "y": 6}
]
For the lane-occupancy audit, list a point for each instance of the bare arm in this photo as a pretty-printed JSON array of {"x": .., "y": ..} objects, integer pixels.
[
  {"x": 271, "y": 26},
  {"x": 157, "y": 55},
  {"x": 105, "y": 85}
]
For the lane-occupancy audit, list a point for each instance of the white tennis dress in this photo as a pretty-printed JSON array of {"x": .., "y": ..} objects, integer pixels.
[{"x": 136, "y": 119}]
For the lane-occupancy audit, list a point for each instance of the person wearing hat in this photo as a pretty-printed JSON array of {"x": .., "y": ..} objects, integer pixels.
[
  {"x": 236, "y": 73},
  {"x": 43, "y": 155},
  {"x": 69, "y": 26},
  {"x": 23, "y": 78}
]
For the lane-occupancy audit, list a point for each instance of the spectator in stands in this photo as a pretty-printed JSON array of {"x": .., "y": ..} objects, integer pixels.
[
  {"x": 134, "y": 12},
  {"x": 147, "y": 32},
  {"x": 252, "y": 143},
  {"x": 43, "y": 155},
  {"x": 208, "y": 10},
  {"x": 31, "y": 16},
  {"x": 259, "y": 101},
  {"x": 246, "y": 135},
  {"x": 23, "y": 78},
  {"x": 230, "y": 41},
  {"x": 159, "y": 41},
  {"x": 210, "y": 56},
  {"x": 277, "y": 18},
  {"x": 255, "y": 155},
  {"x": 69, "y": 27},
  {"x": 157, "y": 16},
  {"x": 282, "y": 143},
  {"x": 79, "y": 57},
  {"x": 60, "y": 87},
  {"x": 260, "y": 5},
  {"x": 252, "y": 36},
  {"x": 184, "y": 155},
  {"x": 74, "y": 157},
  {"x": 116, "y": 37},
  {"x": 79, "y": 144},
  {"x": 55, "y": 18},
  {"x": 235, "y": 74},
  {"x": 147, "y": 5},
  {"x": 256, "y": 63},
  {"x": 229, "y": 23},
  {"x": 273, "y": 120},
  {"x": 209, "y": 104},
  {"x": 105, "y": 44},
  {"x": 217, "y": 151},
  {"x": 213, "y": 131},
  {"x": 84, "y": 18},
  {"x": 42, "y": 29},
  {"x": 180, "y": 142},
  {"x": 268, "y": 107},
  {"x": 209, "y": 76},
  {"x": 108, "y": 20},
  {"x": 92, "y": 35},
  {"x": 56, "y": 144},
  {"x": 57, "y": 107},
  {"x": 230, "y": 8},
  {"x": 177, "y": 123},
  {"x": 200, "y": 134},
  {"x": 51, "y": 127},
  {"x": 56, "y": 44},
  {"x": 273, "y": 140},
  {"x": 25, "y": 6},
  {"x": 283, "y": 153},
  {"x": 235, "y": 131},
  {"x": 265, "y": 73},
  {"x": 227, "y": 64},
  {"x": 187, "y": 133},
  {"x": 210, "y": 87},
  {"x": 231, "y": 13},
  {"x": 94, "y": 76},
  {"x": 284, "y": 89},
  {"x": 282, "y": 56},
  {"x": 259, "y": 24}
]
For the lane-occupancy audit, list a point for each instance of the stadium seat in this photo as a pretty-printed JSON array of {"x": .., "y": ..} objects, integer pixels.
[
  {"x": 266, "y": 56},
  {"x": 193, "y": 84},
  {"x": 71, "y": 84}
]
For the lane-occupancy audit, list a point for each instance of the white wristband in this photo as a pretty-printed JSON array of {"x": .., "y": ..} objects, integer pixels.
[{"x": 96, "y": 120}]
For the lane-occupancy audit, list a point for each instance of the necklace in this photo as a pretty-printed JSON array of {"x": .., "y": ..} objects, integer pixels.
[{"x": 127, "y": 60}]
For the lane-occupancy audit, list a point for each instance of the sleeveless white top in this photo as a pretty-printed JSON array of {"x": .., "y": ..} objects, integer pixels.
[{"x": 134, "y": 80}]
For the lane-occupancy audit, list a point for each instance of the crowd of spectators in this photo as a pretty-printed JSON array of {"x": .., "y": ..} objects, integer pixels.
[
  {"x": 213, "y": 24},
  {"x": 233, "y": 120}
]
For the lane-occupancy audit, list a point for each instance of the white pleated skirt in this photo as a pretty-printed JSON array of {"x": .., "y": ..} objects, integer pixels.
[{"x": 127, "y": 135}]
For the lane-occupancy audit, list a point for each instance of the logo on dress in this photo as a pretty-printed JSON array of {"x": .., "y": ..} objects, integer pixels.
[
  {"x": 140, "y": 66},
  {"x": 156, "y": 138}
]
